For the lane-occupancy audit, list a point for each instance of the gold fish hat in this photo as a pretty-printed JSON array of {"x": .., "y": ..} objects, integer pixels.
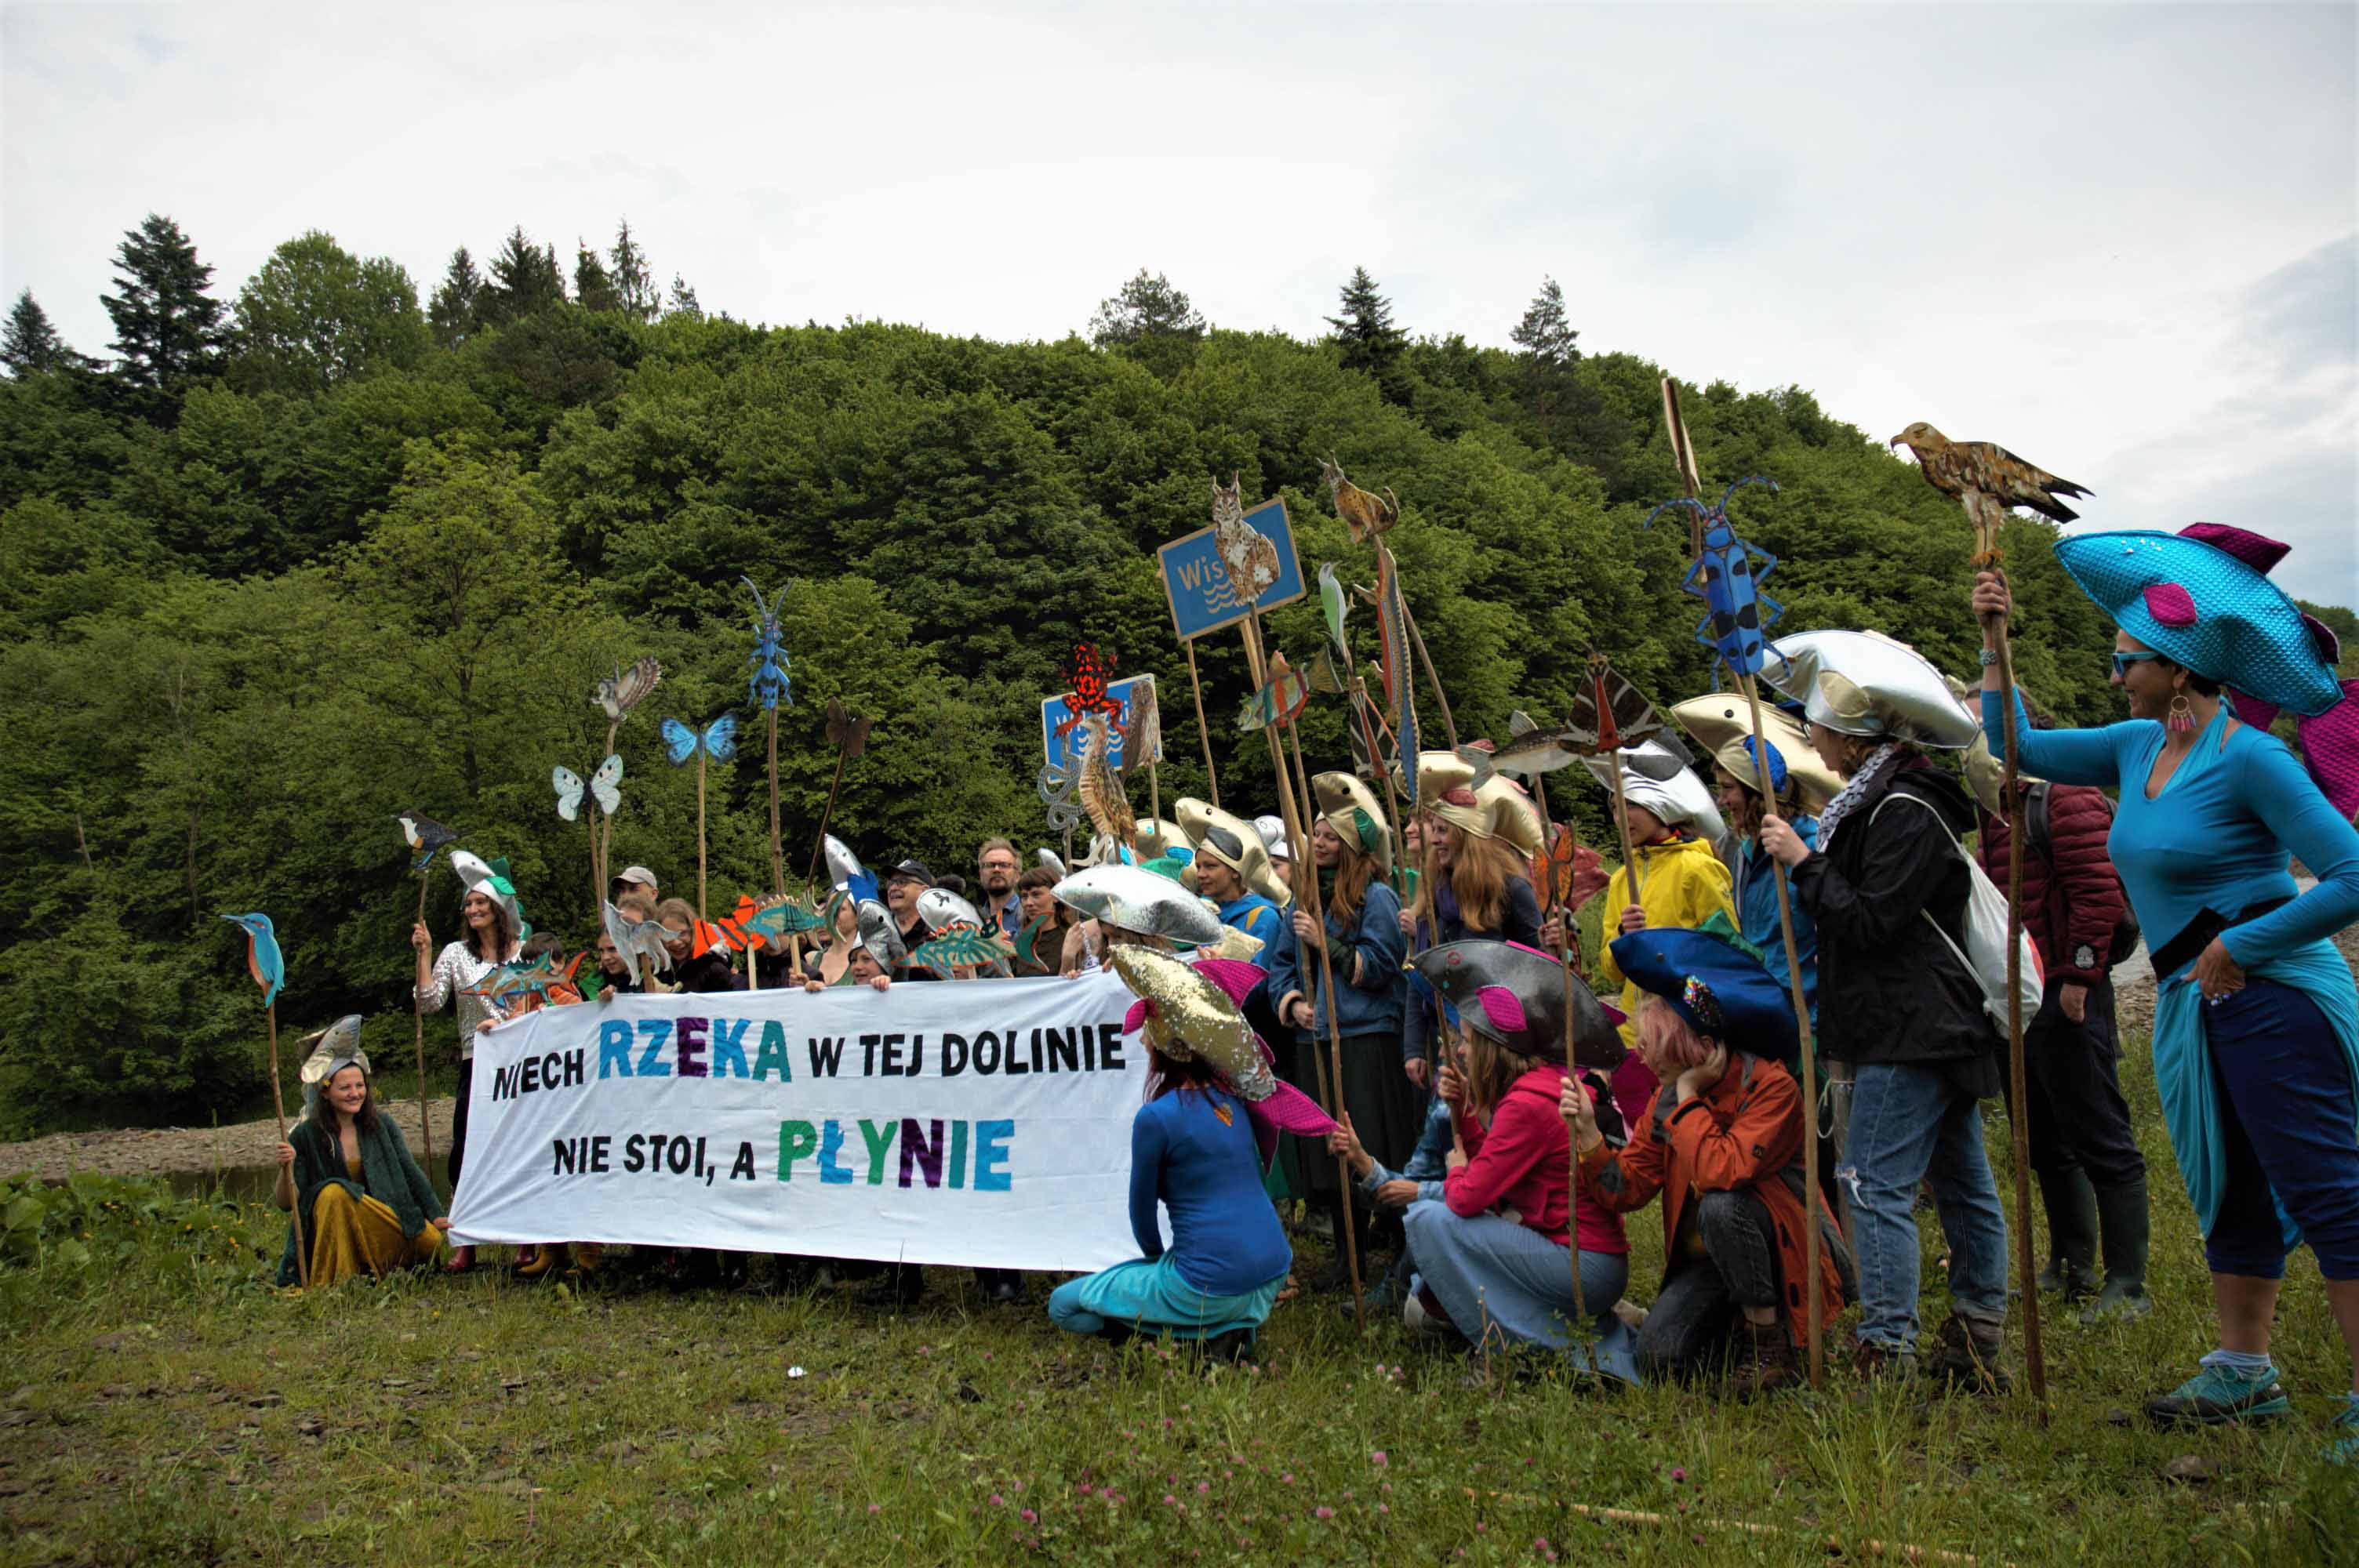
[{"x": 1189, "y": 1011}]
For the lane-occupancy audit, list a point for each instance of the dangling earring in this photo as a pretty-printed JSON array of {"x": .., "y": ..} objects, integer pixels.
[{"x": 2182, "y": 716}]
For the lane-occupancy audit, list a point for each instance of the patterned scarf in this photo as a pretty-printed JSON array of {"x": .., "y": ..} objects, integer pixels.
[{"x": 1878, "y": 763}]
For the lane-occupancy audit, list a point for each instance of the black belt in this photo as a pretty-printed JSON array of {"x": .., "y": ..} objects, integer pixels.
[{"x": 2207, "y": 923}]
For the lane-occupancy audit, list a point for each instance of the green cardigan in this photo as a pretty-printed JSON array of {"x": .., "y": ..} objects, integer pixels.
[{"x": 389, "y": 1174}]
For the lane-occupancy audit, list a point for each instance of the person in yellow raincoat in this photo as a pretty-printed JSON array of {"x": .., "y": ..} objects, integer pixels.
[
  {"x": 367, "y": 1208},
  {"x": 1674, "y": 829}
]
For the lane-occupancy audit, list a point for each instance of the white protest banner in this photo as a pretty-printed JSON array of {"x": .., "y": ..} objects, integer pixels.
[{"x": 983, "y": 1122}]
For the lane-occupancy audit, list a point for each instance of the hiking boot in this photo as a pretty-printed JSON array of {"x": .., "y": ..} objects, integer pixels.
[
  {"x": 1874, "y": 1363},
  {"x": 1966, "y": 1354},
  {"x": 2342, "y": 1436},
  {"x": 2071, "y": 1204},
  {"x": 1764, "y": 1361},
  {"x": 2217, "y": 1396},
  {"x": 2123, "y": 1214}
]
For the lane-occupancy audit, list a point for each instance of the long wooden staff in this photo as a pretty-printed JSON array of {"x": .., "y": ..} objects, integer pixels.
[
  {"x": 825, "y": 816},
  {"x": 2035, "y": 1360},
  {"x": 1203, "y": 731},
  {"x": 418, "y": 1007},
  {"x": 1306, "y": 861},
  {"x": 777, "y": 856},
  {"x": 1417, "y": 640},
  {"x": 1683, "y": 454},
  {"x": 278, "y": 1104},
  {"x": 1622, "y": 820},
  {"x": 1571, "y": 1068},
  {"x": 699, "y": 826}
]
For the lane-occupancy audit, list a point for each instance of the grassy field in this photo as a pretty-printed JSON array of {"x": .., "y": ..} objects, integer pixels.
[{"x": 161, "y": 1405}]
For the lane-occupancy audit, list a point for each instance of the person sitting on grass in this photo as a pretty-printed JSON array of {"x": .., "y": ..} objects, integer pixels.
[
  {"x": 1197, "y": 1148},
  {"x": 1723, "y": 1145},
  {"x": 366, "y": 1206},
  {"x": 1490, "y": 1256}
]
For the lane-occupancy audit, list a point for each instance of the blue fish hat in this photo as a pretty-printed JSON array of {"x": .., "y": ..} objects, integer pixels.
[
  {"x": 1718, "y": 989},
  {"x": 2198, "y": 606}
]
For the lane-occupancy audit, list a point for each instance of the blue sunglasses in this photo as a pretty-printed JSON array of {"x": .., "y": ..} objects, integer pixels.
[{"x": 2122, "y": 661}]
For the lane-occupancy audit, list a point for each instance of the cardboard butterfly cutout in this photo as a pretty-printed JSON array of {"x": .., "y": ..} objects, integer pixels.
[
  {"x": 847, "y": 734},
  {"x": 1726, "y": 576},
  {"x": 718, "y": 742},
  {"x": 1608, "y": 713},
  {"x": 605, "y": 783},
  {"x": 769, "y": 684},
  {"x": 627, "y": 688}
]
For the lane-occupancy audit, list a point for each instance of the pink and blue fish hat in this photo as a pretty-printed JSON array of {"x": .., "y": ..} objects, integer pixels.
[
  {"x": 1718, "y": 989},
  {"x": 2201, "y": 599},
  {"x": 1515, "y": 995}
]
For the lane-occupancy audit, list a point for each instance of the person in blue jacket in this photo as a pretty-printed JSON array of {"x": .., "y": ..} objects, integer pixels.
[
  {"x": 2256, "y": 1019},
  {"x": 1358, "y": 927}
]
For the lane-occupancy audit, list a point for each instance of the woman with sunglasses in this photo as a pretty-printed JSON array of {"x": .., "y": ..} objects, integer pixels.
[{"x": 2256, "y": 1021}]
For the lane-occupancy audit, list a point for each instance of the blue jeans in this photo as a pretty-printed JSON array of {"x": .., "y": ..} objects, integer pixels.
[{"x": 1908, "y": 1125}]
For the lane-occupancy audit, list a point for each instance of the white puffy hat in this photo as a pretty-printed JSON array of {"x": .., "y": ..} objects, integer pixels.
[
  {"x": 1867, "y": 685},
  {"x": 1654, "y": 779}
]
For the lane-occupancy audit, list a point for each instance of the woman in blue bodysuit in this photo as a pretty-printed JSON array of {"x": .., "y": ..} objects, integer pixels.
[{"x": 2256, "y": 1023}]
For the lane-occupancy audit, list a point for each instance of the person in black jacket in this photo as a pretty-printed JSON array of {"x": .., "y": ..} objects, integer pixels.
[{"x": 1886, "y": 888}]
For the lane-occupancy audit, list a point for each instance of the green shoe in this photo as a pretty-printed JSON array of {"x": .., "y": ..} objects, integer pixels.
[
  {"x": 2218, "y": 1397},
  {"x": 2342, "y": 1436}
]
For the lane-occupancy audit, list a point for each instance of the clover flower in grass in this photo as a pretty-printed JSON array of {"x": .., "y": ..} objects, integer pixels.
[{"x": 1379, "y": 1459}]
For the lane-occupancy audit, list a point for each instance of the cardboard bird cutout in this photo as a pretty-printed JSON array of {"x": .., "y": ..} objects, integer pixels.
[
  {"x": 1989, "y": 480},
  {"x": 262, "y": 960},
  {"x": 426, "y": 835}
]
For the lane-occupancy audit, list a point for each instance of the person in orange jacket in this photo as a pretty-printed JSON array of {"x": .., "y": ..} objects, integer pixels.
[{"x": 1723, "y": 1145}]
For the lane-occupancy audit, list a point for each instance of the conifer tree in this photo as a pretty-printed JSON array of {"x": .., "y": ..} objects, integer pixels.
[
  {"x": 1370, "y": 341},
  {"x": 452, "y": 313},
  {"x": 636, "y": 289},
  {"x": 524, "y": 282},
  {"x": 593, "y": 289},
  {"x": 168, "y": 330},
  {"x": 683, "y": 299},
  {"x": 29, "y": 345},
  {"x": 1544, "y": 334}
]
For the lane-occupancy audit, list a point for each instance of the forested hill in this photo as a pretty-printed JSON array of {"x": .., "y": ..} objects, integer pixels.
[{"x": 295, "y": 561}]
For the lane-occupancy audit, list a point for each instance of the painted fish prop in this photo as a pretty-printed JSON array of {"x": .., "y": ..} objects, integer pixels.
[
  {"x": 641, "y": 945},
  {"x": 1101, "y": 790},
  {"x": 1531, "y": 750},
  {"x": 845, "y": 874},
  {"x": 1278, "y": 702},
  {"x": 1137, "y": 898},
  {"x": 881, "y": 935},
  {"x": 1392, "y": 628}
]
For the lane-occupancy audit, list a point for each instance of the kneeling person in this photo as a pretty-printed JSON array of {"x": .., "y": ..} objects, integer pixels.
[
  {"x": 1723, "y": 1143},
  {"x": 366, "y": 1206}
]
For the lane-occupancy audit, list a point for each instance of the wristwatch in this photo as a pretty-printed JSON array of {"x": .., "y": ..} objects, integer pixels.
[{"x": 1990, "y": 657}]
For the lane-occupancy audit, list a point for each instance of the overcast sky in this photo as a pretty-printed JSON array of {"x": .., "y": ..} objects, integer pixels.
[{"x": 2118, "y": 239}]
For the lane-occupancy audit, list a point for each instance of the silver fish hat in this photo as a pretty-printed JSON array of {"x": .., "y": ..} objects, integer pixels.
[
  {"x": 1657, "y": 782},
  {"x": 1137, "y": 898},
  {"x": 1515, "y": 995},
  {"x": 939, "y": 908},
  {"x": 1866, "y": 684},
  {"x": 880, "y": 934}
]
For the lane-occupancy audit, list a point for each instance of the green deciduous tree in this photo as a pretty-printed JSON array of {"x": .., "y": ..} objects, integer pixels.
[{"x": 316, "y": 315}]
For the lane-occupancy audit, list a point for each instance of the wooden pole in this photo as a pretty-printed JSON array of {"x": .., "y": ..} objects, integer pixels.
[
  {"x": 1203, "y": 731},
  {"x": 1571, "y": 1069},
  {"x": 1816, "y": 1311},
  {"x": 819, "y": 844},
  {"x": 1417, "y": 640},
  {"x": 2035, "y": 1360},
  {"x": 1154, "y": 794},
  {"x": 1622, "y": 820},
  {"x": 778, "y": 857},
  {"x": 1307, "y": 861},
  {"x": 700, "y": 828},
  {"x": 278, "y": 1104},
  {"x": 418, "y": 1007}
]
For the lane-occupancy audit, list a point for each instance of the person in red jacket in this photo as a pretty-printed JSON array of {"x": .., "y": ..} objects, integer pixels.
[
  {"x": 2092, "y": 1176},
  {"x": 1723, "y": 1145},
  {"x": 1490, "y": 1254}
]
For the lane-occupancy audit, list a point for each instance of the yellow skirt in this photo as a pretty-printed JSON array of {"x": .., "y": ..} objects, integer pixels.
[{"x": 360, "y": 1235}]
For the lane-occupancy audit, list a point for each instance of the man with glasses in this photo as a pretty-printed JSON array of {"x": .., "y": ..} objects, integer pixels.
[{"x": 995, "y": 868}]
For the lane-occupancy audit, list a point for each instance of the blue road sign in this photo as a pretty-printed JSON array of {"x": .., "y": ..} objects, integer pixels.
[
  {"x": 1201, "y": 599},
  {"x": 1055, "y": 715}
]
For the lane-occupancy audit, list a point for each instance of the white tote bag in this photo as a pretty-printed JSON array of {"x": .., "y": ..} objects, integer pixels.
[{"x": 1987, "y": 923}]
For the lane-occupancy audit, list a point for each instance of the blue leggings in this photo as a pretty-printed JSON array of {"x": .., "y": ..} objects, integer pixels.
[{"x": 2290, "y": 1122}]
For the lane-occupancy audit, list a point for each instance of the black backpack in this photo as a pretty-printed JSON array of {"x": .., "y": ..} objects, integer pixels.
[{"x": 2125, "y": 939}]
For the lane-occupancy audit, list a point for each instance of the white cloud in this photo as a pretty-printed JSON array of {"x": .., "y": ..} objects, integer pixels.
[{"x": 2028, "y": 224}]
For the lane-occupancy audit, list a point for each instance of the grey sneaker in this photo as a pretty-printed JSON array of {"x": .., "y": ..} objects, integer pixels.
[{"x": 1966, "y": 1354}]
